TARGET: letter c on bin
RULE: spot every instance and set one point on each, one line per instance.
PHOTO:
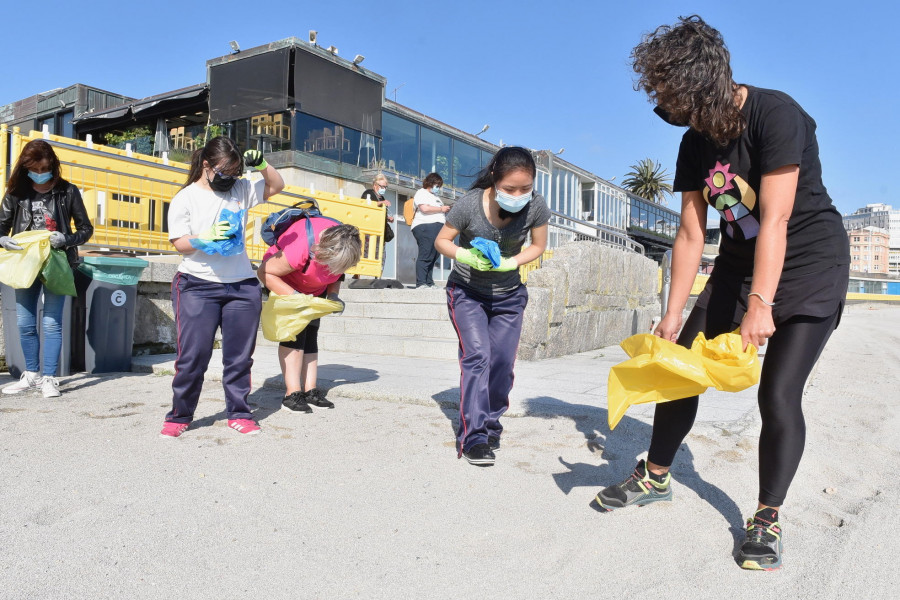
(118, 298)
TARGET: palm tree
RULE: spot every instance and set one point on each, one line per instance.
(649, 180)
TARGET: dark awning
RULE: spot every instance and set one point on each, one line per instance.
(172, 103)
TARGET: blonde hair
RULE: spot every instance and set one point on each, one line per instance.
(379, 177)
(339, 248)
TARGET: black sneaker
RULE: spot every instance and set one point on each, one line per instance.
(480, 454)
(761, 550)
(641, 488)
(296, 401)
(316, 397)
(493, 442)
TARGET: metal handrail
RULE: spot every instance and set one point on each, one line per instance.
(666, 268)
(602, 234)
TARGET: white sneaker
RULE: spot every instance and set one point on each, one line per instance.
(50, 387)
(30, 380)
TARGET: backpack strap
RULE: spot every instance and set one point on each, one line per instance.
(310, 242)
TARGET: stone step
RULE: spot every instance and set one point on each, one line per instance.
(391, 296)
(408, 328)
(422, 347)
(362, 309)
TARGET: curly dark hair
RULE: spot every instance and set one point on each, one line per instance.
(685, 69)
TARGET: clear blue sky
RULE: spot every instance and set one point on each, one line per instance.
(552, 76)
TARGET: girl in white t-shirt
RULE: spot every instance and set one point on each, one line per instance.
(215, 285)
(426, 224)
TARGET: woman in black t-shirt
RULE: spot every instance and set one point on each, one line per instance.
(783, 264)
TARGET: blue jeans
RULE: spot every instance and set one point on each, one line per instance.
(51, 327)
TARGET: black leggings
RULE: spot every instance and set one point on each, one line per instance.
(791, 354)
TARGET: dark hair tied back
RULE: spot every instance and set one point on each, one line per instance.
(218, 151)
(507, 160)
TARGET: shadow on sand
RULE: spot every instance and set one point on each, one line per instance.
(619, 452)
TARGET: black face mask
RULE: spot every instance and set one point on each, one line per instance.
(221, 184)
(667, 117)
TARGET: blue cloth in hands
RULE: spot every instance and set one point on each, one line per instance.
(489, 248)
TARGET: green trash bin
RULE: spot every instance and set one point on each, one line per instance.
(103, 315)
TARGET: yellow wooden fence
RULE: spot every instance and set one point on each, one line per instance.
(127, 196)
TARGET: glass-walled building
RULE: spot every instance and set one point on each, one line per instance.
(413, 148)
(325, 123)
(651, 224)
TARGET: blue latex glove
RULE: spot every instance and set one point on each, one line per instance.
(233, 241)
(489, 249)
(507, 264)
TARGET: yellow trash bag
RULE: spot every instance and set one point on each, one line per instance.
(284, 317)
(19, 268)
(660, 370)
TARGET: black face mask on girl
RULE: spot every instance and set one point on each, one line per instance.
(668, 118)
(221, 184)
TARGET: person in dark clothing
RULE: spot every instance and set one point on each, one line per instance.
(486, 303)
(376, 194)
(783, 264)
(39, 198)
(430, 216)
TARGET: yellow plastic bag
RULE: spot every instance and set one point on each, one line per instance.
(660, 370)
(19, 268)
(284, 317)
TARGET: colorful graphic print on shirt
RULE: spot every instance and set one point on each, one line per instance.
(735, 200)
(41, 217)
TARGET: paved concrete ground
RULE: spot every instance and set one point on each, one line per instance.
(369, 501)
(572, 385)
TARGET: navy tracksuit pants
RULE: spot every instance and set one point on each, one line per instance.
(488, 328)
(201, 307)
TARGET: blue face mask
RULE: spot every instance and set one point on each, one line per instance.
(435, 190)
(513, 203)
(40, 178)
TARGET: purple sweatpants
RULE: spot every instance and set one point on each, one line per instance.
(201, 307)
(488, 328)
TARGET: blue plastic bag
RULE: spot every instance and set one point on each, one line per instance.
(234, 244)
(489, 248)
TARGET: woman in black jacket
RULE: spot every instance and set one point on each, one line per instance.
(38, 198)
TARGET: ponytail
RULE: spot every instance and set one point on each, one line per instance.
(196, 167)
(216, 151)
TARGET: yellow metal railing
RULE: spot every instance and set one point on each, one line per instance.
(534, 265)
(699, 283)
(127, 197)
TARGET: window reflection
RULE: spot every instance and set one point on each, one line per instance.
(270, 132)
(400, 144)
(435, 154)
(466, 164)
(333, 141)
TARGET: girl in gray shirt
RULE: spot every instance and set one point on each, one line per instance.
(486, 303)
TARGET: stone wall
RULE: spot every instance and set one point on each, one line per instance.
(587, 296)
(154, 319)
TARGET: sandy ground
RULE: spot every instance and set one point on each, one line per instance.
(369, 501)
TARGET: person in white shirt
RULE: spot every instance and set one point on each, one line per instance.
(429, 220)
(215, 285)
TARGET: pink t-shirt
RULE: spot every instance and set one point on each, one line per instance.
(295, 245)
